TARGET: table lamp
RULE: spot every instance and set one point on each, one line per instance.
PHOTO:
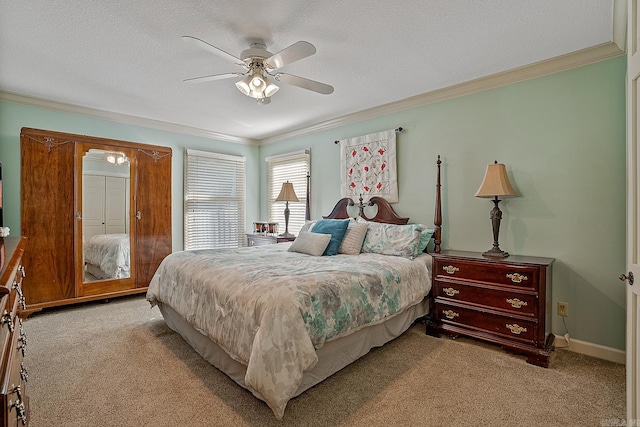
(496, 184)
(287, 194)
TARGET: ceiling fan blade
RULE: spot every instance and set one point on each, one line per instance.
(290, 54)
(219, 52)
(304, 83)
(212, 77)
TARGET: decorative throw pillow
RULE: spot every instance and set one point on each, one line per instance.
(310, 243)
(425, 237)
(307, 225)
(392, 239)
(353, 238)
(336, 227)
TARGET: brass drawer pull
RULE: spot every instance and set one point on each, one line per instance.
(450, 314)
(21, 299)
(22, 346)
(7, 320)
(516, 303)
(24, 375)
(517, 277)
(516, 329)
(451, 292)
(450, 269)
(19, 405)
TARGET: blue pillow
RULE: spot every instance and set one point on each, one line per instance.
(336, 227)
(425, 237)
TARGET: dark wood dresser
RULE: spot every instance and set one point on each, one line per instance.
(257, 239)
(505, 301)
(15, 401)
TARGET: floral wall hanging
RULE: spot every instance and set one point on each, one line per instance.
(368, 166)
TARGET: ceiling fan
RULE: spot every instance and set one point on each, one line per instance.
(259, 65)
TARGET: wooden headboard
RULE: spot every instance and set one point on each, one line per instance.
(386, 214)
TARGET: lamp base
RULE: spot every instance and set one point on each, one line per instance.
(286, 235)
(495, 253)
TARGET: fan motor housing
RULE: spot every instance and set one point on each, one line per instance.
(256, 51)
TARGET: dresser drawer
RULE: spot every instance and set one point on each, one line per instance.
(7, 320)
(519, 301)
(493, 323)
(14, 383)
(510, 275)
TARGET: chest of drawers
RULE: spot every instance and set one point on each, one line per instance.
(256, 239)
(505, 301)
(14, 400)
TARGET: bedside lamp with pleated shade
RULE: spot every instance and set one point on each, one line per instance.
(287, 194)
(496, 184)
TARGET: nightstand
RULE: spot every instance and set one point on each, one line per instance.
(255, 239)
(505, 301)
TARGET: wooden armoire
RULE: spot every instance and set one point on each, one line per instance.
(52, 216)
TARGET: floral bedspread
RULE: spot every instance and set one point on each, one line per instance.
(270, 309)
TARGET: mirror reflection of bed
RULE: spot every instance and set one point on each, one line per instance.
(105, 223)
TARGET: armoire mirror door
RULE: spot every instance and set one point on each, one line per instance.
(105, 234)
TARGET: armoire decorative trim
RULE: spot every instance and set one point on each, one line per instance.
(48, 141)
(154, 154)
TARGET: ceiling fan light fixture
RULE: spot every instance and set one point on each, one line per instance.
(244, 85)
(257, 83)
(270, 89)
(116, 158)
(259, 63)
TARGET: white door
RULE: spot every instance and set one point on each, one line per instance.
(115, 205)
(92, 206)
(633, 214)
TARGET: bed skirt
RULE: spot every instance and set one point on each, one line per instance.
(333, 356)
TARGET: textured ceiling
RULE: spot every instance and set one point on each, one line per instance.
(127, 56)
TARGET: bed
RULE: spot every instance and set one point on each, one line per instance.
(278, 321)
(106, 256)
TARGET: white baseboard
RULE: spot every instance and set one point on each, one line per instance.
(590, 349)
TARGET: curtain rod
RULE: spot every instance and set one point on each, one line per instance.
(397, 130)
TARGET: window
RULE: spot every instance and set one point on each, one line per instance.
(214, 200)
(292, 167)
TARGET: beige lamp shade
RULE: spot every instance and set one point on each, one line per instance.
(287, 193)
(496, 183)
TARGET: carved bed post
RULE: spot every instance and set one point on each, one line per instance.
(307, 214)
(437, 217)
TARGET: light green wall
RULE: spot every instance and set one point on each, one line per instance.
(13, 117)
(562, 138)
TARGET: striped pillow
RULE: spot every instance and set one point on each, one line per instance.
(353, 238)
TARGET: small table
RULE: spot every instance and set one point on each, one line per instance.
(258, 239)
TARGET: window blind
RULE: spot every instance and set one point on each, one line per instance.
(292, 167)
(214, 201)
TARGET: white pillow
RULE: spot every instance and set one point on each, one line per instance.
(353, 238)
(310, 243)
(308, 224)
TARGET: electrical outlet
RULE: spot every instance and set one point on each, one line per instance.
(563, 309)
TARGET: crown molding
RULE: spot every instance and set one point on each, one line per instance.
(554, 65)
(62, 107)
(620, 10)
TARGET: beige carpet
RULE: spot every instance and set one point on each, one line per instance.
(118, 364)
